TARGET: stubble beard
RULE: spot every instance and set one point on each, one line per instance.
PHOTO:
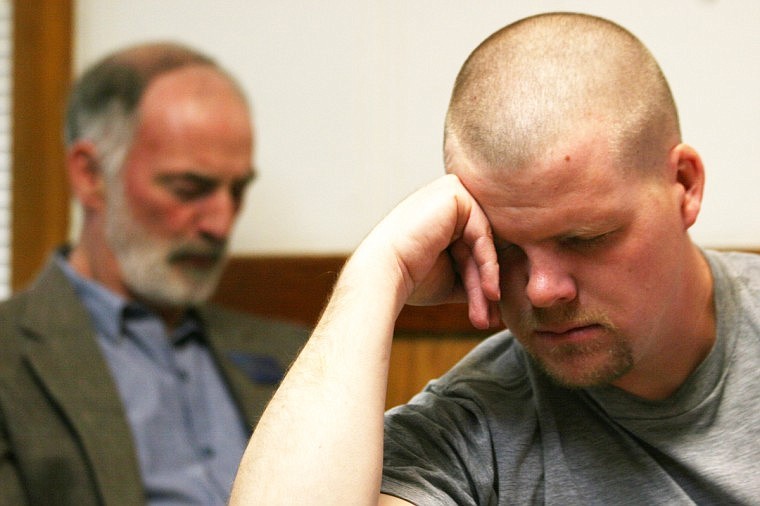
(576, 365)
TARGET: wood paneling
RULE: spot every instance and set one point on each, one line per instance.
(296, 288)
(41, 74)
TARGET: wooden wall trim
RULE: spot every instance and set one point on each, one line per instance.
(296, 288)
(41, 73)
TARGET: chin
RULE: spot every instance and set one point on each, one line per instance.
(178, 287)
(586, 371)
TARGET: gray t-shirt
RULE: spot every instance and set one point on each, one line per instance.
(494, 430)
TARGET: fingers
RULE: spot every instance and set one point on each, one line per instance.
(469, 273)
(441, 240)
(483, 253)
(476, 261)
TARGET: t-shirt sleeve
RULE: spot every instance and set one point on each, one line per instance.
(438, 451)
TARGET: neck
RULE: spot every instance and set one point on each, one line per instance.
(93, 259)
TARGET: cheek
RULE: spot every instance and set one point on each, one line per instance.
(160, 216)
(648, 258)
(628, 286)
(154, 209)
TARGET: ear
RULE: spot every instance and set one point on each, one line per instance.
(86, 175)
(690, 178)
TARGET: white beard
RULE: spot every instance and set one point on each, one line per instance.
(147, 261)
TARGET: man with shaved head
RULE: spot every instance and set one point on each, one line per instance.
(118, 383)
(628, 372)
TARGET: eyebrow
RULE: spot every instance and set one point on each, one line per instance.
(581, 231)
(202, 177)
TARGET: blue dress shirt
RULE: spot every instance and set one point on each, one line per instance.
(188, 432)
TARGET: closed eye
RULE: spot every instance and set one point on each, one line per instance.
(187, 187)
(586, 242)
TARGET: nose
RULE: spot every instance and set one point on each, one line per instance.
(549, 282)
(216, 216)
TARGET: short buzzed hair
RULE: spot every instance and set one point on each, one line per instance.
(536, 80)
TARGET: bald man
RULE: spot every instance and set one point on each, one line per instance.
(118, 383)
(629, 370)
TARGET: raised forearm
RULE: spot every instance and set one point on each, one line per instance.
(320, 439)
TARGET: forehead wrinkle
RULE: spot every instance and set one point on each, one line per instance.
(549, 215)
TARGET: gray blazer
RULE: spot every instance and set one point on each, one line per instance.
(64, 437)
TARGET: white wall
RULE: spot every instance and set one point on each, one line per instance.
(349, 97)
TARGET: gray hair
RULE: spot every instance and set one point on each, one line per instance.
(104, 102)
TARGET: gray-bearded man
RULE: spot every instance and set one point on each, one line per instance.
(118, 384)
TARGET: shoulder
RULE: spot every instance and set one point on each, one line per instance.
(736, 292)
(499, 362)
(494, 374)
(253, 332)
(49, 291)
(741, 271)
(444, 445)
(50, 285)
(743, 265)
(12, 307)
(10, 333)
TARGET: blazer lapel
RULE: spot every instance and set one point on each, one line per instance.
(227, 340)
(64, 354)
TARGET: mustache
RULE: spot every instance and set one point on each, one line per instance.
(571, 315)
(216, 250)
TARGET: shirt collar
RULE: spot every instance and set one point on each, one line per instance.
(104, 306)
(109, 310)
